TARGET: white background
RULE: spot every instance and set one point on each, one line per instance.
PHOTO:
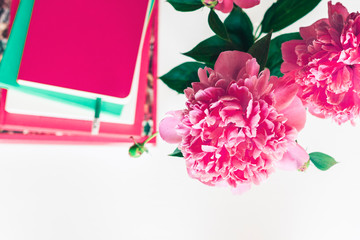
(98, 192)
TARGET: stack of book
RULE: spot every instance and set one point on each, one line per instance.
(79, 71)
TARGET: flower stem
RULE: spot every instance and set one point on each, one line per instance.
(151, 137)
(257, 32)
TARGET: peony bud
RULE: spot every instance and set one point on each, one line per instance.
(210, 3)
(138, 149)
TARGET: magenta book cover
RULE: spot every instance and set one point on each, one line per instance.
(84, 45)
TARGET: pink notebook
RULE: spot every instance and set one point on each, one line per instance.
(84, 45)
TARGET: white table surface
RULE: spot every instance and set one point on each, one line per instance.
(98, 192)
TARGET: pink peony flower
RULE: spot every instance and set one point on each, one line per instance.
(226, 6)
(326, 65)
(238, 124)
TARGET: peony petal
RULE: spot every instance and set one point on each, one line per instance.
(207, 148)
(356, 78)
(252, 67)
(241, 93)
(296, 114)
(342, 82)
(309, 33)
(286, 67)
(337, 15)
(189, 93)
(224, 6)
(261, 84)
(315, 111)
(203, 77)
(167, 127)
(209, 94)
(333, 98)
(247, 3)
(288, 50)
(284, 95)
(241, 188)
(294, 158)
(229, 63)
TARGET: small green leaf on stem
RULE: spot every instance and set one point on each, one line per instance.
(217, 25)
(322, 161)
(239, 28)
(176, 153)
(186, 5)
(285, 12)
(208, 50)
(260, 50)
(181, 77)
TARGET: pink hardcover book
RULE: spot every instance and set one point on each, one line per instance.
(91, 49)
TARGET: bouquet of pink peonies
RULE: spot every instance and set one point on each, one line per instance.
(247, 92)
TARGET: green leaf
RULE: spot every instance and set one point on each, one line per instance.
(208, 50)
(275, 56)
(217, 25)
(181, 77)
(322, 161)
(186, 5)
(285, 12)
(240, 29)
(260, 50)
(176, 153)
